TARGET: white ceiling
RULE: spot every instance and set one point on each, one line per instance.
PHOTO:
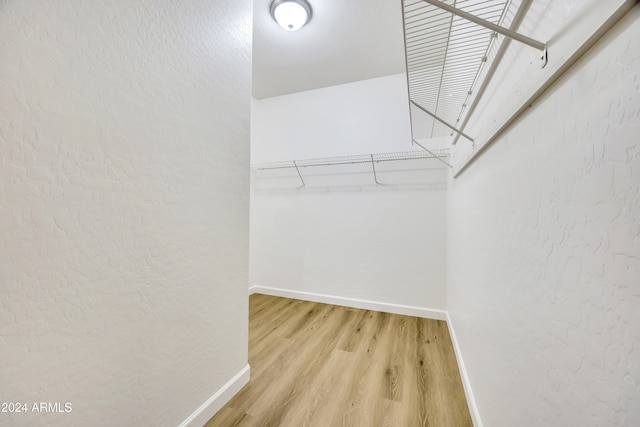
(345, 41)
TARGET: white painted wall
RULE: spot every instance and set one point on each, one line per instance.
(384, 245)
(124, 158)
(544, 252)
(368, 116)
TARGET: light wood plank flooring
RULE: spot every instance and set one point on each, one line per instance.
(324, 365)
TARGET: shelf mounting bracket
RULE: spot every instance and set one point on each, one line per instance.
(431, 152)
(490, 25)
(375, 176)
(298, 170)
(453, 128)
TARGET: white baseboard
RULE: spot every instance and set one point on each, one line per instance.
(408, 310)
(466, 383)
(209, 408)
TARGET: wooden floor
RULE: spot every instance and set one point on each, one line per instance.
(324, 365)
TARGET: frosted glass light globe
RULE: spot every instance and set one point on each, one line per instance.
(291, 15)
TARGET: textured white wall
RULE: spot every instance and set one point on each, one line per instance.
(385, 246)
(124, 159)
(544, 252)
(377, 244)
(368, 116)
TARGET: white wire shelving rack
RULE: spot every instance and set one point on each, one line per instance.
(374, 160)
(452, 49)
(456, 48)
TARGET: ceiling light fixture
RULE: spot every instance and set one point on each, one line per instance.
(291, 14)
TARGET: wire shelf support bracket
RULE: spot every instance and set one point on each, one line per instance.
(453, 128)
(494, 27)
(375, 175)
(432, 153)
(299, 174)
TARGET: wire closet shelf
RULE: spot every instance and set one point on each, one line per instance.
(356, 159)
(453, 48)
(362, 160)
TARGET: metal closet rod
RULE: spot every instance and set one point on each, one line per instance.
(490, 25)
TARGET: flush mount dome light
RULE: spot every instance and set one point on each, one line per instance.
(291, 14)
